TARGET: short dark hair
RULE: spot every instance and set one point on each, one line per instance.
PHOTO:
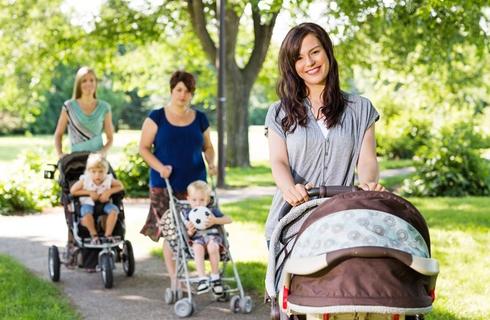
(186, 78)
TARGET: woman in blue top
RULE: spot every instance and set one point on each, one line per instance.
(85, 116)
(172, 142)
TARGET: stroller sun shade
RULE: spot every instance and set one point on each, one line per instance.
(359, 252)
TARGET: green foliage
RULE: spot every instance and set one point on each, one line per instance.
(25, 296)
(133, 171)
(26, 190)
(450, 164)
(257, 116)
(16, 198)
(402, 137)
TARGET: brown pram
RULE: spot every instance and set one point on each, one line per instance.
(356, 255)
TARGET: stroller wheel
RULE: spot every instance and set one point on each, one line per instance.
(183, 308)
(54, 263)
(128, 258)
(169, 296)
(235, 304)
(246, 304)
(105, 261)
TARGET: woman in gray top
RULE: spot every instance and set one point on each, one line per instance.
(317, 134)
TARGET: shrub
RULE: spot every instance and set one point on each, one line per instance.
(133, 171)
(15, 198)
(450, 165)
(403, 136)
(26, 190)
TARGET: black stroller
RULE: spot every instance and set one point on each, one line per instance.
(357, 255)
(172, 226)
(102, 256)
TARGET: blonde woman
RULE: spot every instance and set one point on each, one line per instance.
(85, 116)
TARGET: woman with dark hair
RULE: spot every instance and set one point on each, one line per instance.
(317, 133)
(173, 140)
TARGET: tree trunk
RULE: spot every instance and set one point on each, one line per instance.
(239, 81)
(237, 98)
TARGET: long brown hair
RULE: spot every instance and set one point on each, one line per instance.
(291, 88)
(77, 87)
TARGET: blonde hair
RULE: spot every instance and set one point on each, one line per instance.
(77, 86)
(96, 160)
(199, 185)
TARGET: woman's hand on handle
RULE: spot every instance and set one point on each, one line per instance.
(296, 194)
(165, 171)
(372, 186)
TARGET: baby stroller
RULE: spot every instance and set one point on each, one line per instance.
(101, 256)
(172, 226)
(357, 255)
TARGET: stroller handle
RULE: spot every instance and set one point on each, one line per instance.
(320, 192)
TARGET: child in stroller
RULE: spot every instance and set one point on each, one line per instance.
(88, 252)
(97, 184)
(206, 240)
(178, 230)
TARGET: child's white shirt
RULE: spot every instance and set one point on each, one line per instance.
(89, 185)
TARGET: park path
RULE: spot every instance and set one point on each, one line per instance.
(27, 239)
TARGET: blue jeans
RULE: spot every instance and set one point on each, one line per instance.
(89, 209)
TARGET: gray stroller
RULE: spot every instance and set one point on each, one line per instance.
(357, 255)
(172, 226)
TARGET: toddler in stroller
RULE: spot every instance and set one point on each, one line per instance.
(204, 233)
(97, 184)
(358, 255)
(93, 208)
(194, 228)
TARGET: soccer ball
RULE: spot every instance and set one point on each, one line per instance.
(199, 216)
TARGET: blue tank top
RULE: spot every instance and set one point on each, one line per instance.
(181, 147)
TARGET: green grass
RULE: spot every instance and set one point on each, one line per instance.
(460, 235)
(394, 183)
(385, 164)
(258, 175)
(24, 296)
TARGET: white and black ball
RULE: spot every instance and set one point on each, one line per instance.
(199, 216)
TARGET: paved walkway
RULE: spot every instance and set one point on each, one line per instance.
(27, 239)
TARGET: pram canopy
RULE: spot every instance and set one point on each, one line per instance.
(355, 252)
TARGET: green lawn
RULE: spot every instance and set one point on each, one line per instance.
(24, 296)
(385, 164)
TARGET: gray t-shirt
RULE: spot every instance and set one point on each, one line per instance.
(319, 160)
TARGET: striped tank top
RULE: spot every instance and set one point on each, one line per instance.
(85, 131)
